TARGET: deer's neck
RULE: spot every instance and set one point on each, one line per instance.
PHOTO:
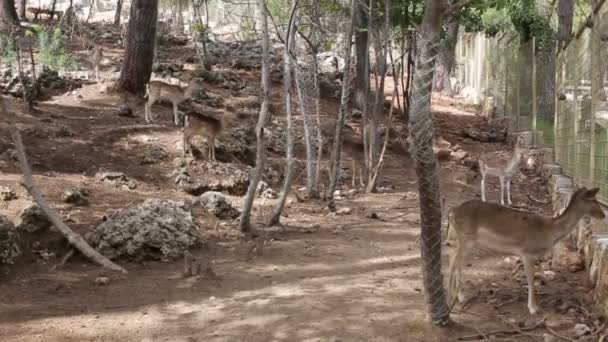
(514, 162)
(566, 222)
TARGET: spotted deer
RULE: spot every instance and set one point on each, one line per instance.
(201, 125)
(161, 91)
(504, 230)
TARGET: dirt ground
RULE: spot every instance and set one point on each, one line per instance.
(354, 277)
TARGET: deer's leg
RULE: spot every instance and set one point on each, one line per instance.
(509, 191)
(456, 264)
(483, 187)
(175, 118)
(354, 173)
(529, 269)
(186, 144)
(502, 189)
(148, 109)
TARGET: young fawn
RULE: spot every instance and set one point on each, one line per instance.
(203, 126)
(514, 232)
(95, 58)
(503, 171)
(161, 91)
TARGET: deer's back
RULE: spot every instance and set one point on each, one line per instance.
(165, 91)
(203, 125)
(501, 228)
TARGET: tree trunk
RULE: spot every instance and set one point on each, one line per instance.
(565, 18)
(53, 9)
(447, 59)
(179, 28)
(8, 15)
(302, 85)
(245, 219)
(278, 209)
(338, 137)
(139, 54)
(118, 13)
(22, 7)
(427, 168)
(362, 54)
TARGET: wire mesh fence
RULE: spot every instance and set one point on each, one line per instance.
(581, 115)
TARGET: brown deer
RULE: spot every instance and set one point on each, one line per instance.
(161, 91)
(201, 125)
(95, 58)
(477, 224)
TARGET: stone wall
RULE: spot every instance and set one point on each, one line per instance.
(587, 246)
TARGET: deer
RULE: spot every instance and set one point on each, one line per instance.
(95, 58)
(161, 91)
(514, 232)
(201, 125)
(504, 172)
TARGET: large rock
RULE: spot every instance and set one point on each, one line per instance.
(232, 179)
(33, 220)
(9, 241)
(156, 229)
(217, 205)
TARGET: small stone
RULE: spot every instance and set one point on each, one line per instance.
(102, 281)
(344, 211)
(458, 155)
(7, 194)
(581, 330)
(549, 275)
(74, 196)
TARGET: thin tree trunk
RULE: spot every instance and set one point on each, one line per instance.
(179, 28)
(310, 152)
(339, 133)
(74, 238)
(426, 165)
(382, 48)
(118, 13)
(314, 192)
(22, 7)
(565, 18)
(289, 36)
(139, 54)
(91, 10)
(447, 57)
(245, 219)
(8, 15)
(362, 54)
(53, 9)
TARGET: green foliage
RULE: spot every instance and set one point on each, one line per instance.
(52, 53)
(247, 29)
(529, 23)
(495, 21)
(8, 50)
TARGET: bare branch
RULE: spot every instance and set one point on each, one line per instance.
(74, 238)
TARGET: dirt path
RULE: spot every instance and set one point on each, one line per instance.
(354, 277)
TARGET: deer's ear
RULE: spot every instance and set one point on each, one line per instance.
(592, 193)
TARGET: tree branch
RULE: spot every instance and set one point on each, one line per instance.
(74, 238)
(456, 7)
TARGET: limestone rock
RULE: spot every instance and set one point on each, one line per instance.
(155, 229)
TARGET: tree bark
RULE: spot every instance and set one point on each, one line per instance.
(53, 9)
(289, 35)
(245, 219)
(74, 238)
(565, 18)
(8, 15)
(447, 59)
(339, 133)
(362, 54)
(118, 13)
(139, 54)
(426, 165)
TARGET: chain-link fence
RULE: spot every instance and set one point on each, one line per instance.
(581, 122)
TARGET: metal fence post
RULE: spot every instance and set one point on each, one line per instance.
(534, 100)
